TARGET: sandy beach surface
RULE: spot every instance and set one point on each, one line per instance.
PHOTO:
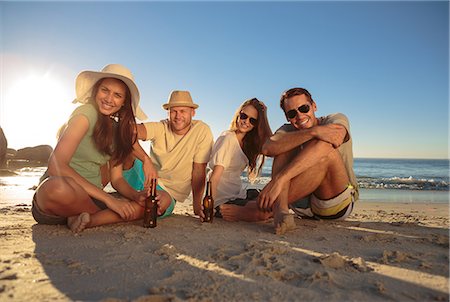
(383, 252)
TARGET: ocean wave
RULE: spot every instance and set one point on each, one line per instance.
(399, 183)
(403, 183)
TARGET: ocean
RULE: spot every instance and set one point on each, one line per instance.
(394, 180)
(379, 179)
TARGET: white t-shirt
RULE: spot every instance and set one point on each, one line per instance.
(228, 154)
(173, 156)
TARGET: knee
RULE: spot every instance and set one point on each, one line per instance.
(331, 157)
(56, 190)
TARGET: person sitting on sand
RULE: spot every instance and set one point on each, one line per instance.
(235, 150)
(312, 171)
(100, 132)
(180, 149)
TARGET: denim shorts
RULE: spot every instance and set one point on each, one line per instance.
(45, 218)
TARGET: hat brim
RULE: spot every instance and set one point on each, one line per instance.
(86, 80)
(167, 106)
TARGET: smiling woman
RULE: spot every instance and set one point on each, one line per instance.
(33, 109)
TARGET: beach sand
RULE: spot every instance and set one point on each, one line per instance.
(384, 251)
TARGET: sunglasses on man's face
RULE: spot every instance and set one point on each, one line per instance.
(302, 109)
(244, 116)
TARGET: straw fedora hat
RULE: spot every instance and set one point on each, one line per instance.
(86, 80)
(179, 98)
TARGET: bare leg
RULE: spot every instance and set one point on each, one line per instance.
(64, 197)
(249, 212)
(326, 179)
(283, 221)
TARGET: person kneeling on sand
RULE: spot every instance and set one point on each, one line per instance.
(312, 171)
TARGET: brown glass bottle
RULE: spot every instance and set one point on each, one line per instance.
(208, 204)
(151, 208)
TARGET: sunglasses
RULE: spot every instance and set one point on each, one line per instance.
(244, 116)
(302, 109)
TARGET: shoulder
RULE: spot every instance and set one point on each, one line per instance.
(202, 129)
(85, 109)
(200, 126)
(226, 137)
(157, 126)
(285, 128)
(334, 118)
(88, 110)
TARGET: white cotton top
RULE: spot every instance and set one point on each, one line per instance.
(227, 153)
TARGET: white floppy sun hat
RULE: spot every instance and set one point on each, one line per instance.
(86, 80)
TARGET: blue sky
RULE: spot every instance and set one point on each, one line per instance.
(383, 64)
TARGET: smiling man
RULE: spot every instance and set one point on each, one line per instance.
(312, 171)
(180, 149)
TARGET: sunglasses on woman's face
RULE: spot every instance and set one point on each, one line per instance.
(302, 109)
(244, 116)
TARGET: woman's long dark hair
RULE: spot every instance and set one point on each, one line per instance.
(111, 137)
(255, 139)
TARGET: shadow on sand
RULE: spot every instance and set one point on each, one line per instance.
(182, 259)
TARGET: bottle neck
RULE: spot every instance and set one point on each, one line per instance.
(208, 188)
(154, 184)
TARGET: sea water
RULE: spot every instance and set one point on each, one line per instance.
(393, 180)
(388, 180)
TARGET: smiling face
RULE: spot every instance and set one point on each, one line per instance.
(247, 119)
(111, 95)
(180, 119)
(301, 120)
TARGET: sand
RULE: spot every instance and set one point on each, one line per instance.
(383, 252)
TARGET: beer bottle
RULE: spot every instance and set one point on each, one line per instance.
(151, 208)
(208, 203)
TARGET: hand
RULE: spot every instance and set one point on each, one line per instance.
(333, 134)
(149, 172)
(198, 210)
(123, 207)
(269, 195)
(141, 196)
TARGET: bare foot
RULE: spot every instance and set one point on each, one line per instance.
(78, 223)
(164, 202)
(249, 212)
(284, 222)
(230, 212)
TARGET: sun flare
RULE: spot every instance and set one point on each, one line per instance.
(33, 109)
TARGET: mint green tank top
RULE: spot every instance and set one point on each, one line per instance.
(87, 160)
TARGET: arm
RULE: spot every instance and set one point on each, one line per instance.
(198, 186)
(141, 132)
(282, 142)
(312, 153)
(138, 152)
(123, 187)
(310, 156)
(335, 134)
(215, 178)
(62, 155)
